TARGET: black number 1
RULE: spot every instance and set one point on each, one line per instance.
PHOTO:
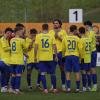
(76, 15)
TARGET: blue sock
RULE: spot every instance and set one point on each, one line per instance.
(0, 79)
(8, 78)
(39, 78)
(77, 84)
(43, 79)
(94, 78)
(17, 82)
(13, 82)
(3, 80)
(63, 77)
(68, 83)
(53, 81)
(84, 80)
(29, 79)
(89, 80)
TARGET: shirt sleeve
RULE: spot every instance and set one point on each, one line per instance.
(24, 44)
(37, 38)
(54, 41)
(63, 46)
(5, 45)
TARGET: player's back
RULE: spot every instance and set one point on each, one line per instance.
(71, 45)
(45, 46)
(5, 50)
(86, 49)
(17, 50)
(92, 35)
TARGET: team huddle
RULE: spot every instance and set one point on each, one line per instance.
(73, 50)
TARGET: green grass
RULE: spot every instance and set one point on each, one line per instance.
(37, 95)
(46, 10)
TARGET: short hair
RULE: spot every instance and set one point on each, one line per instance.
(20, 25)
(45, 26)
(73, 28)
(89, 23)
(8, 29)
(17, 29)
(58, 20)
(33, 31)
(82, 30)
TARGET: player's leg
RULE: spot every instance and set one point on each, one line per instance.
(84, 76)
(88, 73)
(89, 80)
(61, 65)
(76, 69)
(55, 64)
(3, 77)
(43, 69)
(38, 79)
(52, 70)
(8, 75)
(18, 70)
(93, 70)
(38, 76)
(84, 80)
(68, 69)
(13, 78)
(29, 72)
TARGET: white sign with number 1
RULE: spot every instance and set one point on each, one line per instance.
(75, 15)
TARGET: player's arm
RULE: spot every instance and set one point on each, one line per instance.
(30, 45)
(24, 46)
(55, 51)
(35, 52)
(5, 46)
(57, 36)
(55, 48)
(36, 49)
(63, 47)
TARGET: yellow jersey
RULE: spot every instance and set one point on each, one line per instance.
(45, 46)
(5, 50)
(71, 45)
(17, 51)
(0, 49)
(86, 49)
(30, 53)
(92, 35)
(61, 34)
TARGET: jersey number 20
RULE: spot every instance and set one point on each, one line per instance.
(71, 45)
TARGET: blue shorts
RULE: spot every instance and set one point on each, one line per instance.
(16, 69)
(47, 66)
(60, 63)
(30, 66)
(93, 59)
(4, 67)
(72, 64)
(85, 66)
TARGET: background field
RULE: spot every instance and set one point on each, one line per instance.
(46, 10)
